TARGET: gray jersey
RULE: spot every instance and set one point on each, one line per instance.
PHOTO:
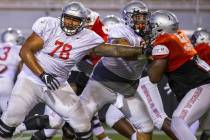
(60, 52)
(126, 69)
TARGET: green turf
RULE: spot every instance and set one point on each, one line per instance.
(118, 137)
(113, 136)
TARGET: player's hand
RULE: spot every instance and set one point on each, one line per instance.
(148, 50)
(50, 81)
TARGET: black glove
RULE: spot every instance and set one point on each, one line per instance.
(50, 81)
(148, 51)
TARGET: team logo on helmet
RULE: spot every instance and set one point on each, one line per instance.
(162, 22)
(200, 36)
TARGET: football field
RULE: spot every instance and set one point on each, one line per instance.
(157, 135)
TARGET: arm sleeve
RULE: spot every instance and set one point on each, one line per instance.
(160, 52)
(42, 27)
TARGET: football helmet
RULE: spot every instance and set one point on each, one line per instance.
(135, 15)
(200, 36)
(110, 20)
(91, 17)
(13, 36)
(75, 10)
(162, 22)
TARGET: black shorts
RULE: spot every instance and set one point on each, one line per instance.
(187, 77)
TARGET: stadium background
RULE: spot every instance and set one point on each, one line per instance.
(22, 13)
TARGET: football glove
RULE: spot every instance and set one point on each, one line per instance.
(50, 81)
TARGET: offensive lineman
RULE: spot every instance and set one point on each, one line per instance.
(49, 54)
(117, 77)
(78, 79)
(147, 91)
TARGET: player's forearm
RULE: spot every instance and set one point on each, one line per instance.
(112, 50)
(29, 59)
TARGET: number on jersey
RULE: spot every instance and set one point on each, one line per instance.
(4, 53)
(64, 50)
(184, 39)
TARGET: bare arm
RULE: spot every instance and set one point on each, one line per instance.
(33, 44)
(156, 70)
(117, 50)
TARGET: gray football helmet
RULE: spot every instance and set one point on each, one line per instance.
(131, 9)
(200, 36)
(13, 36)
(91, 17)
(73, 10)
(162, 22)
(110, 20)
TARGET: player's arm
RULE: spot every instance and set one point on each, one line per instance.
(159, 63)
(33, 44)
(117, 50)
(157, 69)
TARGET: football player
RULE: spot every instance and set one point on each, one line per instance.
(174, 56)
(78, 79)
(117, 78)
(201, 42)
(10, 63)
(147, 91)
(49, 53)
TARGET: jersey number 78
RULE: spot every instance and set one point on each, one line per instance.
(65, 50)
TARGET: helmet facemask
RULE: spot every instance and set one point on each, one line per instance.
(71, 29)
(139, 21)
(135, 15)
(73, 18)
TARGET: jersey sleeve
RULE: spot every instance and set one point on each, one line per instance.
(93, 40)
(115, 31)
(43, 26)
(160, 52)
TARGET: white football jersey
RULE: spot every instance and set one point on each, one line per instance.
(9, 60)
(60, 52)
(126, 69)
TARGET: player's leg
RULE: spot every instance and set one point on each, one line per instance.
(95, 96)
(149, 93)
(5, 92)
(205, 126)
(43, 134)
(36, 122)
(45, 123)
(68, 132)
(116, 120)
(135, 110)
(50, 120)
(65, 102)
(55, 122)
(23, 99)
(137, 113)
(98, 129)
(194, 127)
(195, 103)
